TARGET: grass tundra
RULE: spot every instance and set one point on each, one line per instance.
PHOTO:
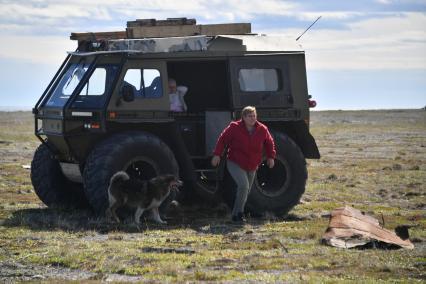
(372, 160)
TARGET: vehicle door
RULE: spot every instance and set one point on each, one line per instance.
(148, 81)
(260, 80)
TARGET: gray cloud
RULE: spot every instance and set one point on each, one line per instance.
(346, 37)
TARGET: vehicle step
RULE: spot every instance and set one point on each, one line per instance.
(206, 170)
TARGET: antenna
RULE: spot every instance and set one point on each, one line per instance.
(308, 28)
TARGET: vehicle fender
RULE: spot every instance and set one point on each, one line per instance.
(299, 132)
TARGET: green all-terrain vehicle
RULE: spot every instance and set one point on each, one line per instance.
(108, 109)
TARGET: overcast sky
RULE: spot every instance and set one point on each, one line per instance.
(365, 54)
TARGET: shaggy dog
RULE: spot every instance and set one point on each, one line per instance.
(142, 195)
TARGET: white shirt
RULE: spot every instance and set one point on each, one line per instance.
(177, 103)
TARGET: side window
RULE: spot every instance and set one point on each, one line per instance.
(133, 77)
(96, 84)
(258, 80)
(146, 83)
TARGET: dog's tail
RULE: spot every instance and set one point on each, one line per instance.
(115, 180)
(119, 176)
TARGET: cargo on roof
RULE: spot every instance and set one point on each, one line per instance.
(180, 34)
(172, 27)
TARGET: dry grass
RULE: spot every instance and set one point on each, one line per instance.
(372, 160)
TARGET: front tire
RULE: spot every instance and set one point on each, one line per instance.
(140, 154)
(279, 189)
(50, 184)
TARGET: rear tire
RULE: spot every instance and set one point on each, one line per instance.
(140, 154)
(50, 184)
(275, 190)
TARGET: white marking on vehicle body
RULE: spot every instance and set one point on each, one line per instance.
(81, 113)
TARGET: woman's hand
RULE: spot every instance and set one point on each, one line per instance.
(270, 162)
(215, 161)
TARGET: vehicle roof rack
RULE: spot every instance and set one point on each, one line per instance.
(177, 35)
(171, 27)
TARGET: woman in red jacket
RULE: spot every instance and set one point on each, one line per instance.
(245, 140)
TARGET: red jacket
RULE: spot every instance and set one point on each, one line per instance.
(244, 149)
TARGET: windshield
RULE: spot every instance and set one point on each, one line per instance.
(68, 83)
(94, 90)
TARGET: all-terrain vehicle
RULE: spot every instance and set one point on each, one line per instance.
(108, 109)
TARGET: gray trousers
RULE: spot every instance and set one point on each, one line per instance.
(244, 180)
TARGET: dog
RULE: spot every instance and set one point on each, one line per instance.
(142, 195)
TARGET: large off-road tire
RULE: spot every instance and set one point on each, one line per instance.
(275, 190)
(50, 184)
(140, 154)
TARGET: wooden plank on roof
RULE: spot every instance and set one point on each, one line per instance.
(162, 31)
(147, 28)
(99, 35)
(225, 29)
(188, 30)
(154, 22)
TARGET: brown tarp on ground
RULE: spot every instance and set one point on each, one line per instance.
(350, 228)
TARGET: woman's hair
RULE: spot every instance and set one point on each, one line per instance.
(247, 110)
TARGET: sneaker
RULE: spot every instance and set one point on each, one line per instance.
(238, 218)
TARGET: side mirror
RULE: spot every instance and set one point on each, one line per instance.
(127, 93)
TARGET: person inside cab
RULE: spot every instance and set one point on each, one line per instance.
(176, 96)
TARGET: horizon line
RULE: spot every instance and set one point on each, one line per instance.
(29, 108)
